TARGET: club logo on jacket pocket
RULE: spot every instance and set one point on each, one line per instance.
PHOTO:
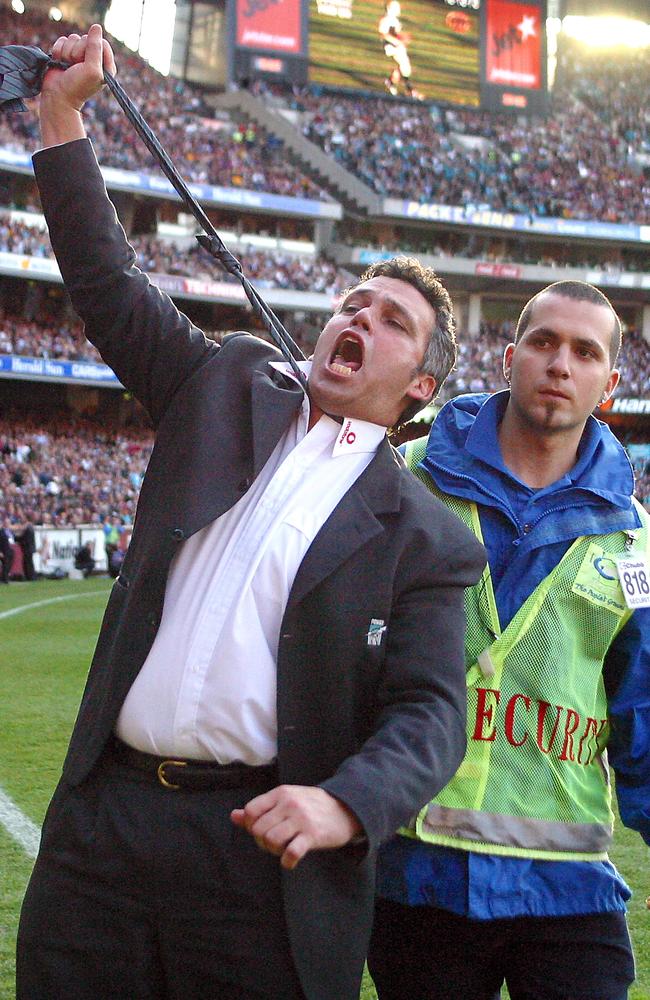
(376, 631)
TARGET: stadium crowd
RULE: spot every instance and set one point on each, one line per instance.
(304, 272)
(580, 162)
(46, 336)
(499, 249)
(52, 334)
(268, 270)
(70, 470)
(163, 256)
(23, 238)
(480, 361)
(205, 149)
(634, 365)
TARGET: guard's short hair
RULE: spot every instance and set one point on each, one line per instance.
(580, 291)
(441, 352)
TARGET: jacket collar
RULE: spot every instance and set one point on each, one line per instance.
(464, 458)
(275, 400)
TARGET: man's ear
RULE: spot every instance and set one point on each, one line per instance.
(423, 386)
(507, 362)
(610, 385)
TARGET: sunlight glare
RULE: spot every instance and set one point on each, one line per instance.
(607, 32)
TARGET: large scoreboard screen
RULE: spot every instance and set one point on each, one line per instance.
(422, 48)
(474, 53)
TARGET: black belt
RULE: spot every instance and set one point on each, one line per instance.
(182, 773)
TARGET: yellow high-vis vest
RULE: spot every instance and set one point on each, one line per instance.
(534, 782)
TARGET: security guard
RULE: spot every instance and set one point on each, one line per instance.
(504, 876)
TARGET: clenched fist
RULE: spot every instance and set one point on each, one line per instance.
(291, 820)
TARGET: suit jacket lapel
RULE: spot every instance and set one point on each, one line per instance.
(352, 523)
(275, 400)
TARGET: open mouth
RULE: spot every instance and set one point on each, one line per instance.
(347, 356)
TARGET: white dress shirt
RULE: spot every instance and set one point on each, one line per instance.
(207, 689)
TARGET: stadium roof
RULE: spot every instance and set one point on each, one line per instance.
(638, 9)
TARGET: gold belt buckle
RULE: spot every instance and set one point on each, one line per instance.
(161, 776)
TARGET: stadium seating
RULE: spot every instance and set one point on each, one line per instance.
(70, 470)
(583, 162)
(579, 163)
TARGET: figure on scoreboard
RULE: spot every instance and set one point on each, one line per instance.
(396, 42)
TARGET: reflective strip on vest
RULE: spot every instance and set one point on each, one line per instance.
(523, 833)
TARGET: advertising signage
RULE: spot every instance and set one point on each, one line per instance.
(513, 56)
(275, 27)
(269, 39)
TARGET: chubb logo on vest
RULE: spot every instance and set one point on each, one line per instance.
(556, 730)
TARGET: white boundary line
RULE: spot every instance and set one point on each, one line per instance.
(48, 600)
(19, 827)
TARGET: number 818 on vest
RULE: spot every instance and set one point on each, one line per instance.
(634, 577)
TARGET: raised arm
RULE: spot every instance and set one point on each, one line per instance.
(149, 344)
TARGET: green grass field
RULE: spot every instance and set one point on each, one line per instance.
(46, 643)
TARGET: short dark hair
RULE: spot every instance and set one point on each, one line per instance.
(440, 355)
(580, 291)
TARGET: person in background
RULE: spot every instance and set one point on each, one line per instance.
(27, 542)
(395, 42)
(84, 560)
(112, 532)
(6, 549)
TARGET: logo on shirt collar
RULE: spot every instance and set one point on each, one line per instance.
(347, 436)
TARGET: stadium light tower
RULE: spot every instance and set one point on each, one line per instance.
(607, 32)
(146, 27)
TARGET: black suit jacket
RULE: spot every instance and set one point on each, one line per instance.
(380, 727)
(5, 545)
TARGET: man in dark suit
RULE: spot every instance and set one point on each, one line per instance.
(27, 542)
(6, 549)
(279, 673)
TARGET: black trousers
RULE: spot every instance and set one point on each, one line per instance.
(144, 893)
(424, 953)
(28, 565)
